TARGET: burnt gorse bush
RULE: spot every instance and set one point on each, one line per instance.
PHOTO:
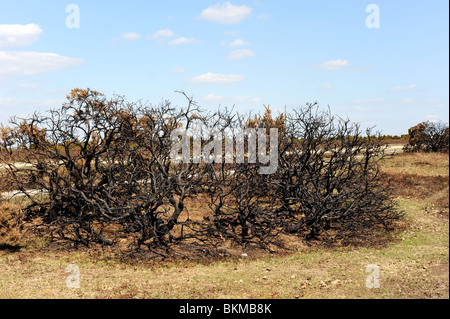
(116, 173)
(104, 169)
(329, 182)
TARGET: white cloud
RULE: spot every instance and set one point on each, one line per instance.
(240, 54)
(127, 36)
(164, 33)
(238, 43)
(28, 63)
(326, 86)
(182, 40)
(217, 78)
(178, 70)
(403, 88)
(226, 13)
(131, 36)
(334, 65)
(18, 35)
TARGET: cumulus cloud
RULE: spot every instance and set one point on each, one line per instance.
(226, 13)
(28, 63)
(240, 54)
(217, 78)
(16, 63)
(164, 33)
(334, 65)
(131, 36)
(18, 35)
(403, 88)
(211, 98)
(183, 40)
(238, 43)
(128, 37)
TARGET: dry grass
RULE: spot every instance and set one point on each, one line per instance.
(421, 176)
(414, 264)
(422, 164)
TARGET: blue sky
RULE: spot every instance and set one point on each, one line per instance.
(241, 53)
